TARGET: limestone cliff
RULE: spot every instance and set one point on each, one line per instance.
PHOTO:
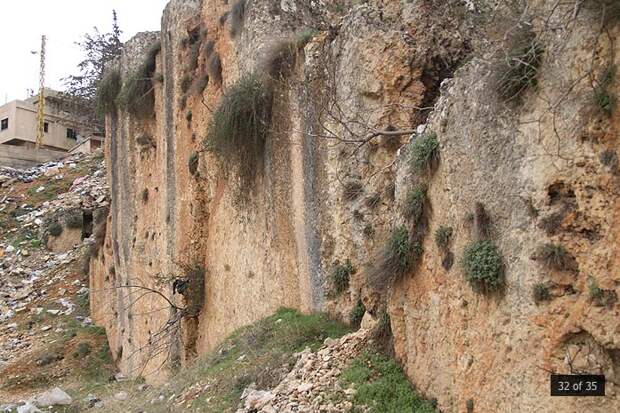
(534, 170)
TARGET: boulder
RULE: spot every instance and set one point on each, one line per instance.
(54, 397)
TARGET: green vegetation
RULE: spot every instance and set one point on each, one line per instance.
(519, 69)
(602, 96)
(340, 276)
(357, 313)
(107, 91)
(482, 264)
(443, 235)
(556, 257)
(253, 354)
(415, 203)
(239, 127)
(424, 153)
(541, 293)
(397, 258)
(382, 386)
(600, 297)
(54, 228)
(136, 95)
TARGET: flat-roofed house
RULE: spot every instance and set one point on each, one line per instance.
(62, 130)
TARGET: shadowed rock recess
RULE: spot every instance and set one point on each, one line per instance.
(446, 169)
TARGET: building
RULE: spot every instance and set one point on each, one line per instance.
(62, 130)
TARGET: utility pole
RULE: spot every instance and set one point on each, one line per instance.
(41, 119)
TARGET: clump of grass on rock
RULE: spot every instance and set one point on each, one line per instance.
(415, 203)
(424, 153)
(239, 127)
(541, 293)
(237, 13)
(556, 257)
(107, 91)
(482, 264)
(397, 258)
(136, 95)
(340, 276)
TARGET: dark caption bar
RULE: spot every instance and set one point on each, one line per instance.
(577, 385)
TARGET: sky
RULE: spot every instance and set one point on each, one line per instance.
(64, 22)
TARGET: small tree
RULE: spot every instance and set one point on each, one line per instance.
(99, 49)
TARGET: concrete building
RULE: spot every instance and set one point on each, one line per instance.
(19, 122)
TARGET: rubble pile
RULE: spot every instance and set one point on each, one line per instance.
(27, 270)
(313, 385)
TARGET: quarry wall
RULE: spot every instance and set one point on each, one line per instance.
(536, 176)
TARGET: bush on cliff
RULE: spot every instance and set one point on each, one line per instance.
(398, 257)
(136, 96)
(482, 264)
(424, 153)
(238, 129)
(107, 92)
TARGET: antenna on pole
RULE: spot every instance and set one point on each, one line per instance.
(41, 119)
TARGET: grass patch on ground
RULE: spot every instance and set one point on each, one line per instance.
(382, 386)
(253, 354)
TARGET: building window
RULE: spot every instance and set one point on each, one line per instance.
(4, 124)
(71, 134)
(46, 127)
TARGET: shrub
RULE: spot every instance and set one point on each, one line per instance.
(357, 313)
(482, 264)
(193, 163)
(352, 190)
(443, 235)
(397, 258)
(136, 95)
(340, 276)
(237, 13)
(541, 293)
(424, 153)
(214, 69)
(602, 96)
(281, 57)
(145, 195)
(556, 257)
(519, 69)
(54, 228)
(414, 204)
(107, 91)
(600, 297)
(240, 125)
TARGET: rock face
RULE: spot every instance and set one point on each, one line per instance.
(189, 253)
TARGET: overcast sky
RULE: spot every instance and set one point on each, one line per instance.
(22, 22)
